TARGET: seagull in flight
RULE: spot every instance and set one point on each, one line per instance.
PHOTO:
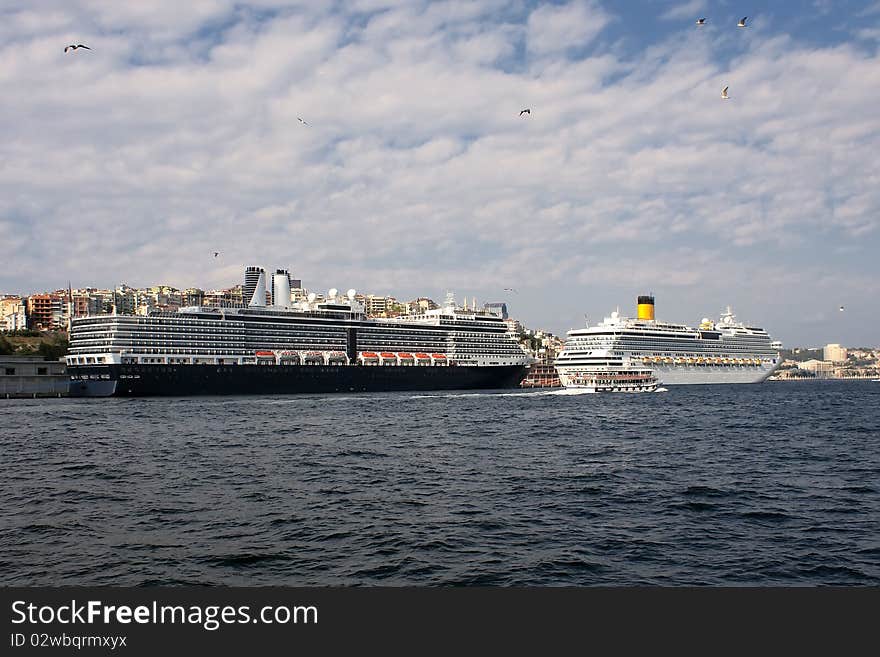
(701, 21)
(841, 309)
(724, 95)
(509, 289)
(525, 111)
(742, 22)
(74, 47)
(216, 253)
(301, 120)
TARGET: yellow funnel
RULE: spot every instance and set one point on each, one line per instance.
(646, 308)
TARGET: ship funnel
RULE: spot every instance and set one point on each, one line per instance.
(281, 288)
(646, 307)
(259, 298)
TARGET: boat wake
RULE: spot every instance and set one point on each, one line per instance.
(662, 390)
(523, 393)
(573, 391)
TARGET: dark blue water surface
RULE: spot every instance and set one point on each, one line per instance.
(771, 484)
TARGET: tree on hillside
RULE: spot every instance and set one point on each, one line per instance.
(53, 350)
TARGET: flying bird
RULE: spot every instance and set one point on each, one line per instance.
(742, 22)
(724, 95)
(301, 120)
(509, 289)
(841, 309)
(525, 111)
(216, 253)
(701, 21)
(74, 47)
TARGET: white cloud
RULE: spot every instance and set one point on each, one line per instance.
(870, 10)
(690, 9)
(553, 29)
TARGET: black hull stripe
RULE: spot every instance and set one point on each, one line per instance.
(190, 380)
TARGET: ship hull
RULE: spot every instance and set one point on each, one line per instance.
(191, 380)
(677, 375)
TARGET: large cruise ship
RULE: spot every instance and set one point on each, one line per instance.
(725, 351)
(328, 346)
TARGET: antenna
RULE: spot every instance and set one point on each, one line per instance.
(69, 305)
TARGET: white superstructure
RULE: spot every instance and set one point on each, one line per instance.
(725, 351)
(332, 332)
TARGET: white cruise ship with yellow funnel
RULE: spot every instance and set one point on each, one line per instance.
(725, 351)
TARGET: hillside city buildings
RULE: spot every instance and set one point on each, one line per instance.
(51, 311)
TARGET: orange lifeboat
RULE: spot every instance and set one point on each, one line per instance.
(405, 356)
(369, 354)
(438, 356)
(264, 354)
(387, 354)
(423, 357)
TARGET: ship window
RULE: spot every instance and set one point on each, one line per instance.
(42, 370)
(10, 371)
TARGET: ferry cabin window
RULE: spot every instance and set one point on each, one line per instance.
(10, 371)
(42, 371)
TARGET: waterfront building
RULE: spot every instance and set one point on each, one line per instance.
(375, 305)
(382, 306)
(31, 376)
(193, 296)
(498, 309)
(420, 305)
(835, 353)
(46, 312)
(229, 297)
(125, 298)
(12, 314)
(821, 368)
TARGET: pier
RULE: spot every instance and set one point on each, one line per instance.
(31, 377)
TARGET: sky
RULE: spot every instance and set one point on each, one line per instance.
(176, 135)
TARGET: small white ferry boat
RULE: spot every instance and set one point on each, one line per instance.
(613, 380)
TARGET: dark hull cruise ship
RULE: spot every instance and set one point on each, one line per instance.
(330, 346)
